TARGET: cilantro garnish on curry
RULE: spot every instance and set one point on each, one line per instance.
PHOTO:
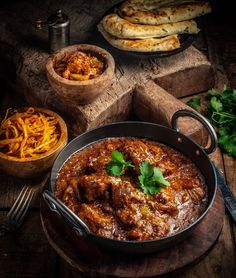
(118, 164)
(150, 177)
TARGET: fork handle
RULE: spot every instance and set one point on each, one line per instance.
(69, 216)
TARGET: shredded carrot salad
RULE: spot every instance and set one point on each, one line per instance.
(28, 134)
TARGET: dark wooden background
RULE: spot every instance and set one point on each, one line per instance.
(27, 252)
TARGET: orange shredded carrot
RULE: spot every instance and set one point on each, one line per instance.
(28, 134)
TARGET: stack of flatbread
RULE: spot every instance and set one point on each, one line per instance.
(151, 25)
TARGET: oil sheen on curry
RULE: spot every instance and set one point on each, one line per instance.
(118, 204)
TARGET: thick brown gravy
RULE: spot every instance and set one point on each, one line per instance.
(116, 207)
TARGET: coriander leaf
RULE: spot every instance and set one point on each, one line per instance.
(117, 156)
(228, 99)
(117, 165)
(146, 169)
(148, 187)
(152, 188)
(114, 168)
(158, 177)
(227, 140)
(223, 116)
(234, 93)
(144, 188)
(216, 104)
(223, 131)
(141, 179)
(194, 103)
(129, 164)
(213, 92)
(151, 178)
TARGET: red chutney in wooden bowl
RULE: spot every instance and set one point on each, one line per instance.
(117, 207)
(79, 66)
(80, 73)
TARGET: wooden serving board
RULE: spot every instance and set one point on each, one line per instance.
(95, 261)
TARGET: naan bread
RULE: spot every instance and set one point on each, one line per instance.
(141, 45)
(122, 28)
(155, 4)
(173, 13)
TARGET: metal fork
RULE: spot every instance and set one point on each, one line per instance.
(18, 211)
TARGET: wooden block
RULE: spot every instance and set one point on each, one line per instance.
(192, 73)
(188, 81)
(152, 103)
(114, 105)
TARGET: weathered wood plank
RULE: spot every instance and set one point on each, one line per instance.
(27, 253)
(10, 188)
(219, 262)
(66, 271)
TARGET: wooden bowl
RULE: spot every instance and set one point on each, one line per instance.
(31, 167)
(81, 92)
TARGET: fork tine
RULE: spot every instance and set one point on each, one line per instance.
(20, 215)
(26, 208)
(4, 226)
(19, 199)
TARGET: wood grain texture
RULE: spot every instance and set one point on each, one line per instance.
(11, 186)
(20, 37)
(152, 103)
(182, 84)
(89, 258)
(27, 253)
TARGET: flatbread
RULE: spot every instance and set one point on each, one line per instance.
(141, 45)
(155, 4)
(174, 13)
(122, 28)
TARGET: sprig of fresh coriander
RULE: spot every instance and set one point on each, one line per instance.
(222, 112)
(151, 178)
(117, 165)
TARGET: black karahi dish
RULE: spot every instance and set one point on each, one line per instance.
(170, 137)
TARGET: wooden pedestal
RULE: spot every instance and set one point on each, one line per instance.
(92, 260)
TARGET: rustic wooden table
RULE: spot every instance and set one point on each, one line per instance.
(27, 253)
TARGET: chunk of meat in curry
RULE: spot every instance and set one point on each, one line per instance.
(116, 207)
